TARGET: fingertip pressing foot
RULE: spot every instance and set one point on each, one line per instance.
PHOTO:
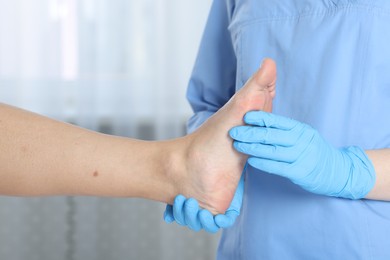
(168, 214)
(178, 208)
(191, 209)
(226, 220)
(207, 221)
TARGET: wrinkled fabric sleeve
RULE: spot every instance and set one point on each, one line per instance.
(213, 78)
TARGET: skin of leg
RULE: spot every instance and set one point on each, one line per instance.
(213, 168)
(41, 157)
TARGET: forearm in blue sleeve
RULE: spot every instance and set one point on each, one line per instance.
(212, 82)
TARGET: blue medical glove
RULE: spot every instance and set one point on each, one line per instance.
(186, 212)
(294, 150)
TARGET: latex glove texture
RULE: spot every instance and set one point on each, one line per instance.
(294, 150)
(186, 212)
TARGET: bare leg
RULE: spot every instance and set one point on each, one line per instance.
(41, 157)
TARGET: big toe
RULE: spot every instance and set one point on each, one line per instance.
(265, 77)
(259, 91)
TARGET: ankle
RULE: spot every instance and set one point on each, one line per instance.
(175, 172)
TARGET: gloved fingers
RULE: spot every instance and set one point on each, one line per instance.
(168, 214)
(207, 221)
(178, 212)
(264, 135)
(226, 220)
(191, 209)
(187, 212)
(264, 119)
(271, 166)
(270, 152)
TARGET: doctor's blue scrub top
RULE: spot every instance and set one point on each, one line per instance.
(333, 61)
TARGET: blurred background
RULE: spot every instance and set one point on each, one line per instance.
(116, 66)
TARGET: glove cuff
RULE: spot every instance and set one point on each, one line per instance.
(362, 174)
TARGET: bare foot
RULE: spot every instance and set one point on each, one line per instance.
(213, 167)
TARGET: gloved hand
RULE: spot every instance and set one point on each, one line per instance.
(186, 212)
(294, 150)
